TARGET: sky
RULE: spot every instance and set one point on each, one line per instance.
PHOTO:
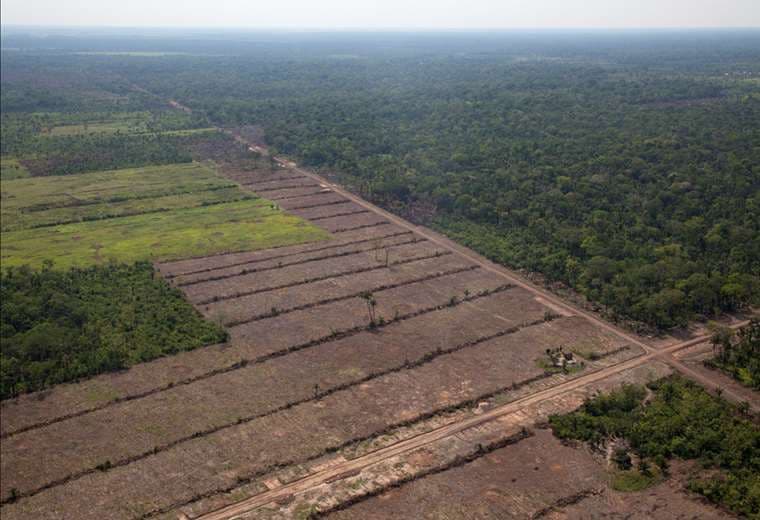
(384, 14)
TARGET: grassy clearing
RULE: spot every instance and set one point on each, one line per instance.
(160, 212)
(56, 124)
(11, 169)
(39, 201)
(635, 480)
(126, 208)
(108, 185)
(189, 131)
(112, 127)
(170, 235)
(95, 128)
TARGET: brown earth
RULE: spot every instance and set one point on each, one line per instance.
(538, 477)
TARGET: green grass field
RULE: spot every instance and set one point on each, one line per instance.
(55, 124)
(10, 169)
(111, 127)
(160, 212)
(123, 208)
(100, 127)
(33, 202)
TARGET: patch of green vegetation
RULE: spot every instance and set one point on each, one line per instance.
(189, 131)
(559, 361)
(101, 211)
(738, 353)
(305, 511)
(634, 480)
(61, 326)
(358, 483)
(125, 126)
(11, 169)
(40, 201)
(586, 351)
(680, 420)
(119, 126)
(164, 212)
(168, 235)
(64, 143)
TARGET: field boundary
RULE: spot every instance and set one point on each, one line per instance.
(342, 254)
(358, 270)
(169, 276)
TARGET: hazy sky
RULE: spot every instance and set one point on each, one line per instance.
(385, 13)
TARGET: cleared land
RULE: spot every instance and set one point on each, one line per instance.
(311, 367)
(39, 202)
(536, 477)
(161, 212)
(73, 124)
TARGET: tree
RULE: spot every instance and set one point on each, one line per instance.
(369, 299)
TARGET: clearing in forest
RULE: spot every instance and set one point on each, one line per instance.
(161, 212)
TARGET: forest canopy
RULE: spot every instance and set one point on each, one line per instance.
(61, 326)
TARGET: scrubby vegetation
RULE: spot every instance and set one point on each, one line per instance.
(60, 326)
(680, 420)
(738, 354)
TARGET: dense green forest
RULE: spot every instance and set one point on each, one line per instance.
(59, 326)
(738, 353)
(682, 421)
(625, 166)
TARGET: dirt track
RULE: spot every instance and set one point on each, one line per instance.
(424, 439)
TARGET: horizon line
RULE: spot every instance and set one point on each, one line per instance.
(386, 28)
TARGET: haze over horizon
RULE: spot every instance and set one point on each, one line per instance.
(387, 14)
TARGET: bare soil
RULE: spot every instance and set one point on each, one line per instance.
(310, 368)
(538, 477)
